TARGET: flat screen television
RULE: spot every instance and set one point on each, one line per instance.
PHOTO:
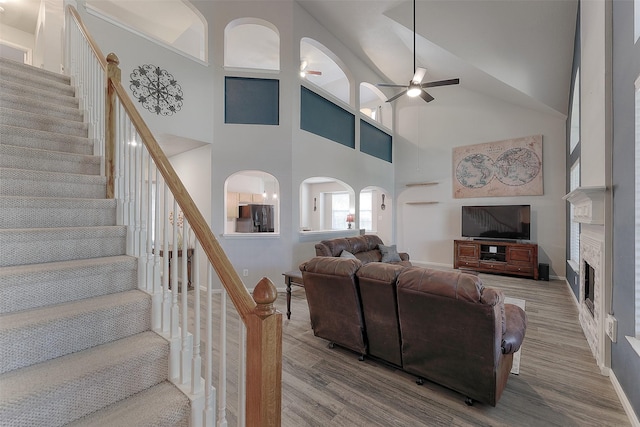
(512, 222)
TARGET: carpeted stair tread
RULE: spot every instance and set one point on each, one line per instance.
(51, 212)
(17, 89)
(6, 64)
(32, 138)
(40, 245)
(25, 287)
(34, 336)
(37, 80)
(161, 405)
(40, 106)
(12, 156)
(65, 389)
(24, 182)
(41, 122)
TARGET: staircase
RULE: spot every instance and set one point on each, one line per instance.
(76, 345)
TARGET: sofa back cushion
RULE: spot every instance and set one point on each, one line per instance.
(355, 245)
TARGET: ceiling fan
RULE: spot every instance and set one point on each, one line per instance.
(415, 86)
(304, 71)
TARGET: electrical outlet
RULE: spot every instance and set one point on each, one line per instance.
(611, 327)
(245, 272)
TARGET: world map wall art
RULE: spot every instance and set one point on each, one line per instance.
(512, 167)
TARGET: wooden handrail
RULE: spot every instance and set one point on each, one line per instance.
(85, 32)
(229, 277)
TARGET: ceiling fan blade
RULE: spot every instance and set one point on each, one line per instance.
(315, 73)
(419, 75)
(427, 98)
(441, 83)
(390, 85)
(393, 98)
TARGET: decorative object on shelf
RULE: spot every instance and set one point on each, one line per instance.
(180, 220)
(350, 219)
(512, 167)
(156, 90)
(383, 206)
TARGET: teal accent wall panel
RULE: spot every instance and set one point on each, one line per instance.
(375, 142)
(322, 117)
(251, 101)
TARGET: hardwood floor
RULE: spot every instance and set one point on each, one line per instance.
(559, 383)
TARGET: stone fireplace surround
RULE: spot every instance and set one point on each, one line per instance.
(588, 204)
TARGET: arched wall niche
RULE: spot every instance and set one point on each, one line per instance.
(252, 43)
(252, 203)
(335, 78)
(373, 105)
(325, 203)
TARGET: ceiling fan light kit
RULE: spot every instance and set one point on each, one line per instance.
(415, 87)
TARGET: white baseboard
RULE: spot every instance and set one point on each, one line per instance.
(633, 418)
(573, 296)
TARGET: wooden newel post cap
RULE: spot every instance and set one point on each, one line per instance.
(265, 294)
(112, 58)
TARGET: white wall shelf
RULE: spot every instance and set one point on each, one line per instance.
(422, 184)
(422, 203)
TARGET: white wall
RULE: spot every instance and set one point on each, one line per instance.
(594, 108)
(427, 135)
(194, 169)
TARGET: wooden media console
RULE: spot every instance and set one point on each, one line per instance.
(520, 259)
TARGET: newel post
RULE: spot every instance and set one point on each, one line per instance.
(264, 358)
(113, 74)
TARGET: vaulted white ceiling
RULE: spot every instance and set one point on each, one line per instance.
(520, 51)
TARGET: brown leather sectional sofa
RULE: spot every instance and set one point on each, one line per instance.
(442, 326)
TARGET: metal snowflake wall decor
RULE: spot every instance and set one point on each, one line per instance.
(156, 90)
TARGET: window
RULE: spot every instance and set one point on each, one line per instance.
(575, 114)
(574, 174)
(637, 203)
(339, 210)
(636, 20)
(366, 210)
(574, 231)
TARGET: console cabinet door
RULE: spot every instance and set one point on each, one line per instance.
(520, 255)
(467, 254)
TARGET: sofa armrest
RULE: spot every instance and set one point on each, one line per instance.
(516, 326)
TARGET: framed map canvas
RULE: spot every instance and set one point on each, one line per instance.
(499, 169)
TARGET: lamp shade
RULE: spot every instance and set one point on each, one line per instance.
(350, 217)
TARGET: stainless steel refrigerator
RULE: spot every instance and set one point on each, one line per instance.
(255, 219)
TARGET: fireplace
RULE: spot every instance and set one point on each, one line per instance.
(595, 293)
(589, 286)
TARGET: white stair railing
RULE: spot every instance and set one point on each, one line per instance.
(167, 234)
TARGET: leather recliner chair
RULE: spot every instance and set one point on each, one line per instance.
(457, 333)
(334, 301)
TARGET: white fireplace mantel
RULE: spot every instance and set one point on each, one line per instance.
(588, 204)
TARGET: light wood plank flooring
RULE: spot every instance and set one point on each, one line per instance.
(559, 383)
